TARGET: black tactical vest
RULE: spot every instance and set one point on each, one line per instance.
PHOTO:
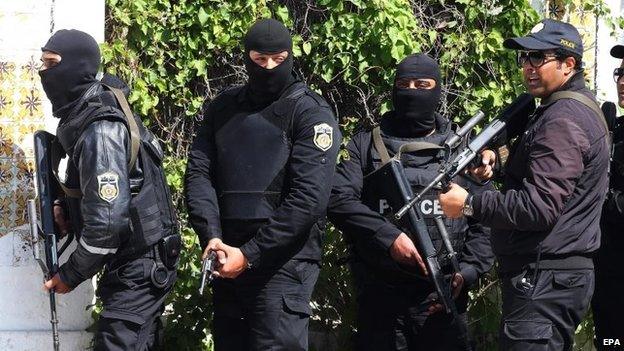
(420, 168)
(252, 153)
(152, 214)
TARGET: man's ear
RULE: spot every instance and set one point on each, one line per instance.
(568, 65)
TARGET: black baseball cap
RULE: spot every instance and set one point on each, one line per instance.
(549, 34)
(617, 51)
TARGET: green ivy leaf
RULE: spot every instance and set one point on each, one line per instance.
(307, 48)
(202, 15)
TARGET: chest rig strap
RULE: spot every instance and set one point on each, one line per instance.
(407, 147)
(135, 141)
(593, 105)
(134, 128)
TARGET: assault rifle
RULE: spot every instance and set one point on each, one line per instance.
(46, 193)
(397, 190)
(515, 114)
(395, 187)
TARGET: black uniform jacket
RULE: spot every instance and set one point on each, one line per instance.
(270, 232)
(555, 184)
(347, 211)
(609, 257)
(99, 167)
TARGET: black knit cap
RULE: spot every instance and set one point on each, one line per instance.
(75, 73)
(418, 66)
(617, 51)
(268, 36)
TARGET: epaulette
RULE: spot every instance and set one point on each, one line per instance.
(224, 97)
(316, 97)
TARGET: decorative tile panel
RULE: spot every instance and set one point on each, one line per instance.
(21, 113)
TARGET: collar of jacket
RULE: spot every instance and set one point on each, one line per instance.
(242, 95)
(418, 159)
(70, 128)
(442, 127)
(575, 83)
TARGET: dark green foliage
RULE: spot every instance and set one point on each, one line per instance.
(176, 54)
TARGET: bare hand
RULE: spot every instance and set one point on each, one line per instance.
(403, 251)
(486, 170)
(235, 262)
(457, 284)
(57, 284)
(60, 220)
(212, 246)
(452, 201)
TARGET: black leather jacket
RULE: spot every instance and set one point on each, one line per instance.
(99, 153)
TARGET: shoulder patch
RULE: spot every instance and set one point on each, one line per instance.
(108, 186)
(323, 136)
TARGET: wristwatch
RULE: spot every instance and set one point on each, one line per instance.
(467, 210)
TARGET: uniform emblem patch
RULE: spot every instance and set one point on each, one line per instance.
(323, 136)
(537, 28)
(108, 186)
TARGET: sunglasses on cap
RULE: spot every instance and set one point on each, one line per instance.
(535, 58)
(618, 73)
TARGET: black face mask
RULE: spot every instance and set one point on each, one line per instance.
(268, 36)
(415, 108)
(67, 81)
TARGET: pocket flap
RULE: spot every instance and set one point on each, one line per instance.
(297, 305)
(528, 330)
(569, 279)
(123, 315)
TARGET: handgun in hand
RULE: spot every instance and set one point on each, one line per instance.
(209, 264)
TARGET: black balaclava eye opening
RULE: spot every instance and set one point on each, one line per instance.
(415, 108)
(67, 81)
(268, 36)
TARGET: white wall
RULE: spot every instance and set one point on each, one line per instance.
(606, 63)
(24, 306)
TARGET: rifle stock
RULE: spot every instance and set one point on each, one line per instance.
(46, 193)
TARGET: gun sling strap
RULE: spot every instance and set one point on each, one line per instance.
(134, 140)
(407, 147)
(593, 105)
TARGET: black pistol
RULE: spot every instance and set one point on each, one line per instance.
(209, 264)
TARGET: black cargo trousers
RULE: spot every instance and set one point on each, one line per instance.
(265, 309)
(542, 310)
(392, 315)
(132, 304)
(608, 311)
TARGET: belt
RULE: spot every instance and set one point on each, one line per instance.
(118, 261)
(546, 261)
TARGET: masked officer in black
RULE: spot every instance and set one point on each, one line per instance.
(117, 199)
(545, 221)
(394, 307)
(607, 305)
(257, 186)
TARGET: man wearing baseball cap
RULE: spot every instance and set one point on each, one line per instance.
(607, 305)
(545, 220)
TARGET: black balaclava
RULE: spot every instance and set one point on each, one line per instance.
(268, 36)
(67, 81)
(415, 108)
